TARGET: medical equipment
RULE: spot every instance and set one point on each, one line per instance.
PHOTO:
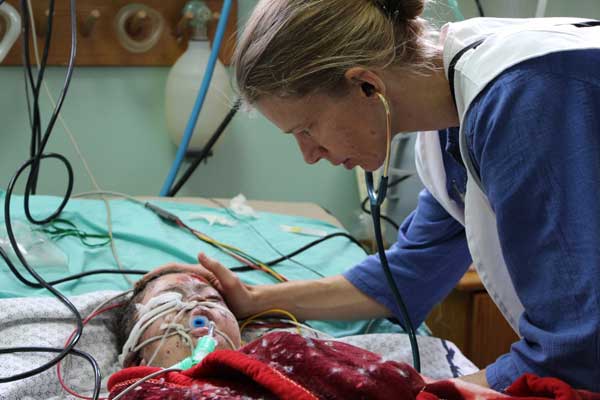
(39, 141)
(232, 251)
(198, 321)
(36, 246)
(206, 151)
(37, 154)
(60, 228)
(252, 318)
(185, 77)
(144, 379)
(75, 145)
(248, 223)
(363, 204)
(40, 137)
(204, 347)
(479, 8)
(13, 28)
(189, 129)
(300, 230)
(143, 15)
(158, 307)
(100, 309)
(375, 200)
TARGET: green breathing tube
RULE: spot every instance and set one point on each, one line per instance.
(204, 347)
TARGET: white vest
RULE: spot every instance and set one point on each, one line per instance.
(507, 43)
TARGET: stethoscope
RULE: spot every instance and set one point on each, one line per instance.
(376, 198)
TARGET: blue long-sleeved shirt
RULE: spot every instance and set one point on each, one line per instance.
(534, 136)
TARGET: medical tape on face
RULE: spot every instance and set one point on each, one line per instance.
(156, 308)
(183, 331)
(227, 338)
(164, 335)
(150, 340)
(158, 337)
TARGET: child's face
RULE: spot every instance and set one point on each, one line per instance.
(192, 288)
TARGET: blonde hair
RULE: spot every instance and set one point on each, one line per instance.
(296, 47)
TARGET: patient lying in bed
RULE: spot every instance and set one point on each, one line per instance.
(170, 310)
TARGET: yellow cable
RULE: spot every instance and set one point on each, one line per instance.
(224, 246)
(271, 311)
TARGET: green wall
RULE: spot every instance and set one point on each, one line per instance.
(117, 116)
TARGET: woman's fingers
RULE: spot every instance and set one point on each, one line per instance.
(227, 278)
(237, 295)
(185, 268)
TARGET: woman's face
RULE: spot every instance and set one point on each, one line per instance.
(348, 130)
(174, 348)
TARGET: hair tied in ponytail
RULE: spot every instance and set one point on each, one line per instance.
(391, 8)
(399, 10)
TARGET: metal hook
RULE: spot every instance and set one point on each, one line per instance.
(136, 23)
(41, 23)
(90, 21)
(183, 24)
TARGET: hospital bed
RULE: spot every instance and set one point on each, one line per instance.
(30, 318)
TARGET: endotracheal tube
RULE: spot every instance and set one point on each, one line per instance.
(205, 346)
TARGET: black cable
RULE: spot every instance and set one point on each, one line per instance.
(36, 88)
(7, 218)
(316, 242)
(247, 223)
(27, 68)
(303, 249)
(79, 353)
(80, 275)
(33, 164)
(363, 204)
(52, 121)
(206, 150)
(480, 8)
(395, 292)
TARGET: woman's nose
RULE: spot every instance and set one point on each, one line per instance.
(312, 153)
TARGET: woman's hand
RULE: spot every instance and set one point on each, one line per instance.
(327, 298)
(185, 268)
(239, 297)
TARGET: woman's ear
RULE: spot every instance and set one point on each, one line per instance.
(366, 81)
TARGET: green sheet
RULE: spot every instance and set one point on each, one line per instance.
(144, 241)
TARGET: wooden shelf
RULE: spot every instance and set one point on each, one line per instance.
(102, 47)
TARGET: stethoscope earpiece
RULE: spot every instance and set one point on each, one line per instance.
(368, 89)
(377, 197)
